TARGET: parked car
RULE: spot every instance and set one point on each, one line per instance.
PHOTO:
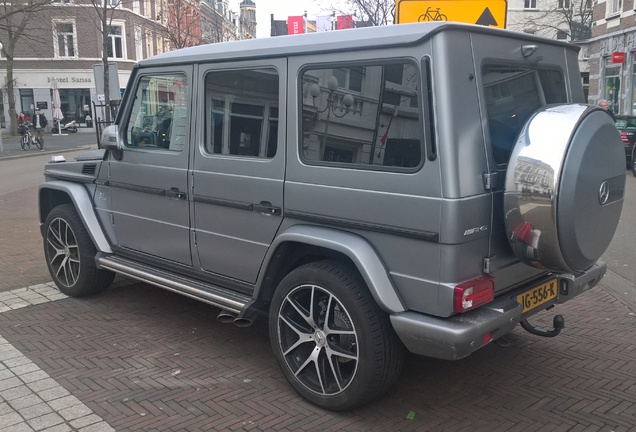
(626, 126)
(325, 182)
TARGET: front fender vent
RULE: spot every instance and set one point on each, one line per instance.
(89, 169)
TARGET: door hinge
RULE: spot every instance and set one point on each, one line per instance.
(489, 265)
(490, 180)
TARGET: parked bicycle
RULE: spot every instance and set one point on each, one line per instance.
(27, 139)
(432, 15)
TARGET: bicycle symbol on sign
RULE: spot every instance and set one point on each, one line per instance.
(432, 15)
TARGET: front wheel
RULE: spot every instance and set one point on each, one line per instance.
(25, 142)
(332, 341)
(70, 254)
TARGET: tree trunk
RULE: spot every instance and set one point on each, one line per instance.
(105, 40)
(11, 96)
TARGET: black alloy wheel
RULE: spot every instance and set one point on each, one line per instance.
(332, 341)
(70, 254)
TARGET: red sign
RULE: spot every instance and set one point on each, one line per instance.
(295, 25)
(344, 22)
(618, 57)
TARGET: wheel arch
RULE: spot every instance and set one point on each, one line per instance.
(301, 244)
(54, 193)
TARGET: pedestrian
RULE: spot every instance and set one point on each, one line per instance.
(603, 103)
(22, 118)
(23, 123)
(39, 123)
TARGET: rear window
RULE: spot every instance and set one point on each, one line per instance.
(513, 94)
(626, 123)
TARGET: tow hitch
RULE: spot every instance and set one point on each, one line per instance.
(558, 323)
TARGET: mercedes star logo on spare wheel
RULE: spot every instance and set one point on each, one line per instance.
(603, 193)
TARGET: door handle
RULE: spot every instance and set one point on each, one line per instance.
(175, 193)
(266, 207)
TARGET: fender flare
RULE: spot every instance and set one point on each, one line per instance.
(363, 255)
(84, 206)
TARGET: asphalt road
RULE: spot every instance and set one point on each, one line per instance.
(52, 143)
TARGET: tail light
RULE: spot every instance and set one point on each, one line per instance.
(474, 293)
(624, 137)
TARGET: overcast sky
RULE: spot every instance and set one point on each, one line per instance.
(284, 8)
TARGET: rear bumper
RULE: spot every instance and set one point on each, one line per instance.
(458, 336)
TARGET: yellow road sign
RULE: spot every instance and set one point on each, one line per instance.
(490, 13)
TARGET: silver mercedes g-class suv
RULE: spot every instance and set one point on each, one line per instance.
(424, 186)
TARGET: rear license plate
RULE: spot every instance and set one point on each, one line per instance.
(538, 295)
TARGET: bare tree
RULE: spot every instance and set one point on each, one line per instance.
(369, 13)
(16, 21)
(183, 28)
(104, 12)
(572, 18)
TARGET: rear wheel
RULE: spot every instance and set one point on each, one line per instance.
(70, 254)
(333, 343)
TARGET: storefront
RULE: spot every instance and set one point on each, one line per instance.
(615, 71)
(34, 89)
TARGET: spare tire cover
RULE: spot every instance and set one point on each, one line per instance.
(564, 187)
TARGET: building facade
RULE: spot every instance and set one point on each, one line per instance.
(612, 55)
(61, 44)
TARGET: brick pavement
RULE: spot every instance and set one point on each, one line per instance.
(140, 358)
(22, 258)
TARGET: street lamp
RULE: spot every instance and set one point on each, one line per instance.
(332, 99)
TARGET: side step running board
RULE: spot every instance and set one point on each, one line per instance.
(208, 293)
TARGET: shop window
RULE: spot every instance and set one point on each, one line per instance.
(612, 84)
(374, 124)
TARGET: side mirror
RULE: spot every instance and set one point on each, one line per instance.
(110, 138)
(110, 141)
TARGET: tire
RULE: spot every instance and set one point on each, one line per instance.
(25, 142)
(633, 164)
(54, 130)
(73, 130)
(336, 371)
(70, 254)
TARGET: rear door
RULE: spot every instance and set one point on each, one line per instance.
(511, 89)
(239, 165)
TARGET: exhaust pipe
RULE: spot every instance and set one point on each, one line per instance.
(226, 317)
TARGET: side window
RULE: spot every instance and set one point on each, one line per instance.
(363, 115)
(513, 94)
(159, 117)
(241, 112)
